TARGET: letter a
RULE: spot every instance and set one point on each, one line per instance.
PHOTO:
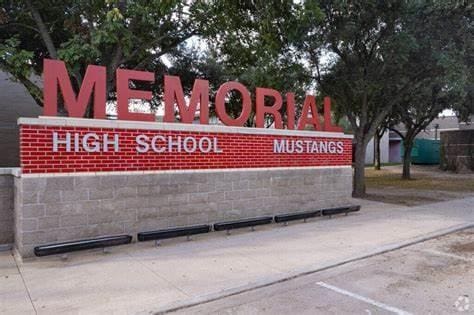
(309, 104)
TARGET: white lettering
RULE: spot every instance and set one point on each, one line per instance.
(172, 143)
(166, 144)
(57, 141)
(278, 146)
(155, 147)
(91, 142)
(115, 142)
(307, 146)
(186, 144)
(95, 144)
(216, 146)
(201, 145)
(142, 144)
(323, 147)
(76, 142)
(299, 146)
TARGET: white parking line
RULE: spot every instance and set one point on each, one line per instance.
(435, 252)
(363, 299)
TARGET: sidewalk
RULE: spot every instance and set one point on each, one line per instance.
(142, 278)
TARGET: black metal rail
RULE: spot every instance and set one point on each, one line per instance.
(66, 247)
(229, 225)
(102, 242)
(339, 210)
(297, 216)
(173, 232)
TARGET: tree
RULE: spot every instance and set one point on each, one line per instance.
(131, 34)
(366, 47)
(381, 52)
(248, 41)
(419, 111)
(286, 75)
(442, 36)
(256, 45)
(377, 137)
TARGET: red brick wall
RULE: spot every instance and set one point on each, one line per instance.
(239, 151)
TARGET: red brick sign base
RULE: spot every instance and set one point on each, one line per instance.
(94, 149)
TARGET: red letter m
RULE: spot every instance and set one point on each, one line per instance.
(174, 94)
(55, 74)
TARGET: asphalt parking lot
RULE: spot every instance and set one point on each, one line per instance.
(433, 277)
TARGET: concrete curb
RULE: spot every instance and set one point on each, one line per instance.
(293, 275)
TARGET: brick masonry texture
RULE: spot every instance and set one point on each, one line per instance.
(59, 208)
(239, 151)
(6, 209)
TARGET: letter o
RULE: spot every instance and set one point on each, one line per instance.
(220, 104)
(186, 143)
(201, 145)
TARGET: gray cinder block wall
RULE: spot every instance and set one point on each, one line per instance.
(6, 207)
(60, 208)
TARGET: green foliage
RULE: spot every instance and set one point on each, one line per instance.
(369, 56)
(407, 59)
(390, 56)
(257, 44)
(249, 41)
(131, 34)
(14, 59)
(443, 46)
(437, 76)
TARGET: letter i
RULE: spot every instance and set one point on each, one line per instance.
(76, 142)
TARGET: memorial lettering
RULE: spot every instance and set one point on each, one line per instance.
(57, 81)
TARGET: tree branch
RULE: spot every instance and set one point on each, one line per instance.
(164, 51)
(34, 90)
(113, 65)
(157, 41)
(21, 25)
(397, 132)
(43, 31)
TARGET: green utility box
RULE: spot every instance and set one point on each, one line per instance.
(424, 151)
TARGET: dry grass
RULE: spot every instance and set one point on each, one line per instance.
(391, 179)
(428, 185)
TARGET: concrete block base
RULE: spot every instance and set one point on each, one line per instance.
(6, 207)
(58, 208)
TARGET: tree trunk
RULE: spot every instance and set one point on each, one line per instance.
(43, 30)
(359, 170)
(407, 146)
(377, 151)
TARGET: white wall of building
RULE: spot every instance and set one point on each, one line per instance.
(384, 150)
